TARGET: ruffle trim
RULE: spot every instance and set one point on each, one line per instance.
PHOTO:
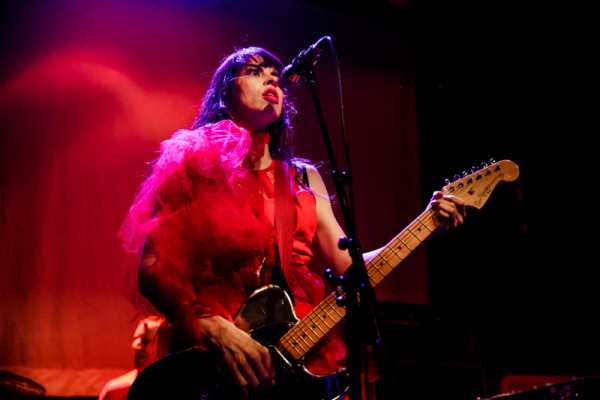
(214, 151)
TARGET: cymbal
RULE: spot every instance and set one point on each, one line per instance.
(17, 387)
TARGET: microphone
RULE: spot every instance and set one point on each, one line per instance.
(294, 72)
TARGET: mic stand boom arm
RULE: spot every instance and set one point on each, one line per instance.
(355, 283)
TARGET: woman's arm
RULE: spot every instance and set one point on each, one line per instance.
(450, 210)
(329, 230)
(168, 291)
(172, 294)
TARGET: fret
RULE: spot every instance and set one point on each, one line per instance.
(394, 251)
(290, 347)
(334, 307)
(386, 260)
(425, 225)
(316, 324)
(307, 331)
(408, 238)
(297, 338)
(414, 234)
(370, 275)
(404, 243)
(392, 257)
(400, 248)
(374, 265)
(322, 318)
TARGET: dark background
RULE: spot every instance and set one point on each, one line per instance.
(504, 78)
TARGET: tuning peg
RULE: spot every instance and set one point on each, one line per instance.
(484, 165)
(464, 173)
(447, 181)
(492, 161)
(474, 169)
(456, 177)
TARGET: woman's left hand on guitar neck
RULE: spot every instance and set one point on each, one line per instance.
(450, 211)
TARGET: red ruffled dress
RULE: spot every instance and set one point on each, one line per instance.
(213, 231)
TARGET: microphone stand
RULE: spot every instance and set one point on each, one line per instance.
(355, 284)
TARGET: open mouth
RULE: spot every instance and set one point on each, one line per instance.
(271, 95)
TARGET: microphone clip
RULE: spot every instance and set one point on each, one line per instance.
(304, 63)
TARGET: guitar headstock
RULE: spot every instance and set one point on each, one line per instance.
(475, 188)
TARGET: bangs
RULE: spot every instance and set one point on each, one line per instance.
(245, 56)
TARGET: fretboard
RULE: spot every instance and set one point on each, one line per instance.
(311, 329)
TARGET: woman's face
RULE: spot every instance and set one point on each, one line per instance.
(257, 98)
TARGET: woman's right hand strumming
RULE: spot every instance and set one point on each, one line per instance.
(248, 360)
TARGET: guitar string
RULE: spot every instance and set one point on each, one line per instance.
(290, 334)
(290, 346)
(296, 340)
(316, 324)
(305, 331)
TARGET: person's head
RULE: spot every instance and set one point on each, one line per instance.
(246, 89)
(145, 342)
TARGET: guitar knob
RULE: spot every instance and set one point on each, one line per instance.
(456, 177)
(492, 161)
(464, 173)
(446, 181)
(474, 169)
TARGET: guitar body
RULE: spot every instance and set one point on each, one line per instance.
(194, 374)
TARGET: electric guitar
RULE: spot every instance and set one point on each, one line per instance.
(269, 314)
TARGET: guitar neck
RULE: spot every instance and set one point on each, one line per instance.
(400, 247)
(474, 189)
(311, 329)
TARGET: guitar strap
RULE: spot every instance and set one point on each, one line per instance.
(285, 216)
(285, 223)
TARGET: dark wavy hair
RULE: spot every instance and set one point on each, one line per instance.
(216, 102)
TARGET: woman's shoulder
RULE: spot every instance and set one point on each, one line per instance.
(303, 164)
(311, 177)
(305, 169)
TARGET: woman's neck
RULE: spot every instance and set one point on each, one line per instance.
(259, 156)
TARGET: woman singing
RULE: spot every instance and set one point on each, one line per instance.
(205, 221)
